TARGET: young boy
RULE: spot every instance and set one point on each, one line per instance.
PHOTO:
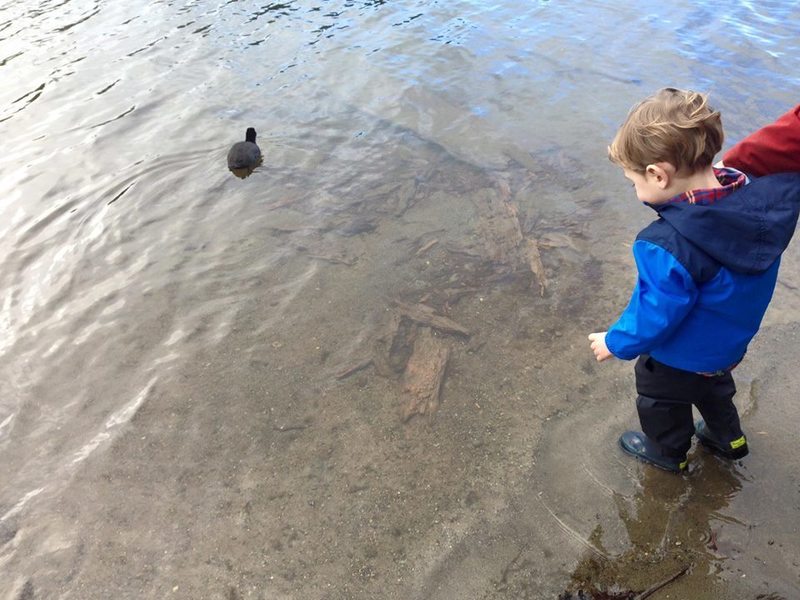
(707, 268)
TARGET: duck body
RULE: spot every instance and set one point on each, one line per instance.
(246, 154)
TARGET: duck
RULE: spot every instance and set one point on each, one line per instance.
(244, 157)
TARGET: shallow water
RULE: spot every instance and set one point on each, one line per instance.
(173, 415)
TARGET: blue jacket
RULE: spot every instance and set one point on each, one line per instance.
(706, 276)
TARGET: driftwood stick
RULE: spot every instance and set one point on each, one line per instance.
(511, 565)
(535, 264)
(426, 247)
(343, 374)
(425, 315)
(662, 584)
(335, 259)
(422, 380)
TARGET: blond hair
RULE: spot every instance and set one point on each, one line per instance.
(674, 126)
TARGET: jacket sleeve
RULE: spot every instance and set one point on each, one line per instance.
(664, 294)
(774, 148)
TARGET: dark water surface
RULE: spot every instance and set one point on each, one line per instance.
(178, 416)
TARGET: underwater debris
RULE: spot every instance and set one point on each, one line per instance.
(426, 247)
(357, 226)
(336, 260)
(422, 380)
(394, 346)
(535, 262)
(355, 368)
(623, 595)
(504, 241)
(425, 315)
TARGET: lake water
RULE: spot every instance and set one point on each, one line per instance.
(204, 381)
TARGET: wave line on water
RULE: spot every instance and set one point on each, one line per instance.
(126, 413)
(120, 417)
(21, 504)
(87, 449)
(5, 422)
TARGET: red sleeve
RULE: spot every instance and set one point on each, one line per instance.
(774, 148)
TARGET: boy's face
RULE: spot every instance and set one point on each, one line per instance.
(651, 186)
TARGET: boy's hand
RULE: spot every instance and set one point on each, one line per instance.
(599, 347)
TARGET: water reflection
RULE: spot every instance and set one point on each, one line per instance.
(672, 525)
(243, 172)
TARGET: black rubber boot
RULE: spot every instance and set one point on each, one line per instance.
(638, 445)
(732, 450)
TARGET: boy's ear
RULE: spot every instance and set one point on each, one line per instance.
(660, 174)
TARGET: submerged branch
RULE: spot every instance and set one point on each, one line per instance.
(662, 584)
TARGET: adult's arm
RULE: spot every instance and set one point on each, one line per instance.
(775, 148)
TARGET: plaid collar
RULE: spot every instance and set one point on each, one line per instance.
(731, 180)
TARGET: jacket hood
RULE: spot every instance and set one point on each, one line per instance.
(746, 230)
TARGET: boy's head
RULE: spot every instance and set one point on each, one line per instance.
(673, 126)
